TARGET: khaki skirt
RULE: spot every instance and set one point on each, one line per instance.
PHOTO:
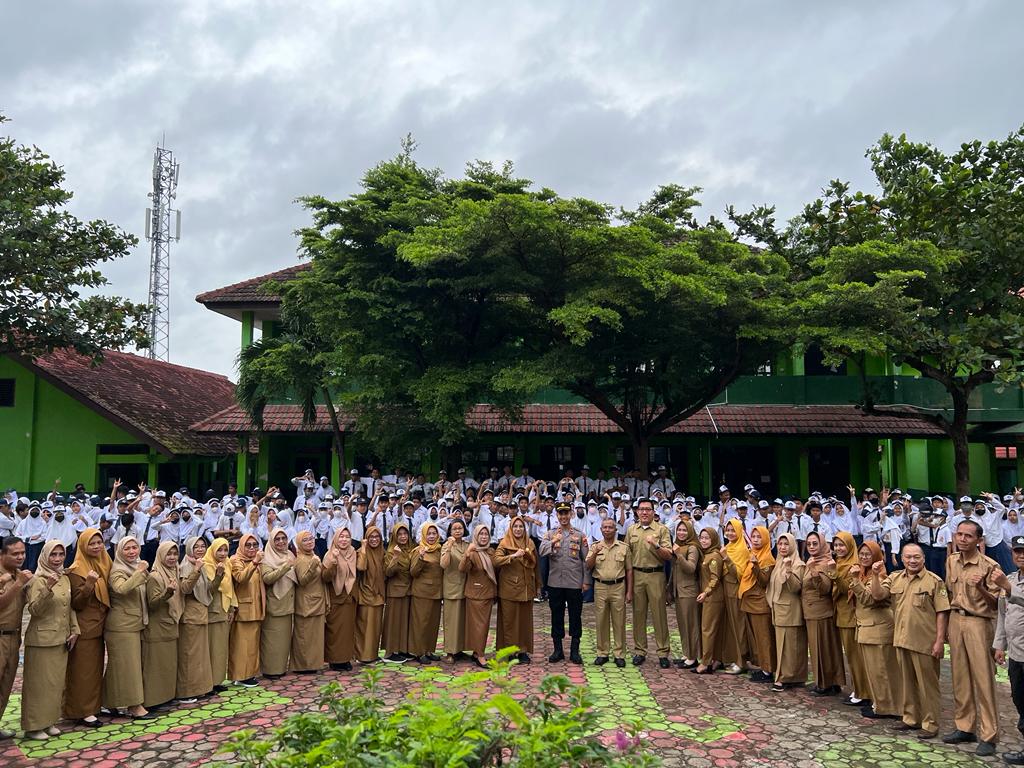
(454, 626)
(42, 686)
(159, 671)
(761, 639)
(308, 643)
(276, 644)
(244, 650)
(791, 655)
(219, 633)
(515, 625)
(194, 675)
(478, 624)
(424, 625)
(339, 641)
(826, 653)
(396, 625)
(122, 682)
(688, 621)
(369, 620)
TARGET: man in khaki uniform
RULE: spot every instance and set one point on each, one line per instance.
(920, 606)
(650, 547)
(12, 604)
(612, 568)
(972, 580)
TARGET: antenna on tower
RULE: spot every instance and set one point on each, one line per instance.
(160, 235)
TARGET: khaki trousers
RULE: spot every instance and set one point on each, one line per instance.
(974, 675)
(919, 677)
(610, 604)
(9, 647)
(649, 590)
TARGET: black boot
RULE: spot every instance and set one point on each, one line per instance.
(574, 651)
(559, 653)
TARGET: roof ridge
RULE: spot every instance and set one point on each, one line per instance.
(215, 293)
(147, 360)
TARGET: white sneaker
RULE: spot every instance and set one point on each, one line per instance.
(191, 700)
(37, 735)
(53, 730)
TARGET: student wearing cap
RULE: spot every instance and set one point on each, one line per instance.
(353, 486)
(972, 580)
(8, 520)
(612, 571)
(566, 550)
(1009, 640)
(650, 546)
(928, 528)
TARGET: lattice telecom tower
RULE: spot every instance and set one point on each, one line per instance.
(159, 234)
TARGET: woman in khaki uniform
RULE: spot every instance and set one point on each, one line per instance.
(221, 610)
(736, 557)
(427, 587)
(819, 616)
(875, 635)
(88, 575)
(481, 590)
(754, 604)
(846, 617)
(339, 571)
(310, 607)
(194, 676)
(122, 632)
(370, 596)
(784, 588)
(453, 591)
(396, 613)
(160, 637)
(244, 642)
(278, 573)
(712, 601)
(685, 562)
(516, 560)
(52, 631)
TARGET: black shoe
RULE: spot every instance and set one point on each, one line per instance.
(901, 726)
(985, 749)
(870, 714)
(477, 662)
(959, 737)
(574, 651)
(850, 701)
(619, 662)
(558, 654)
(97, 723)
(432, 657)
(1013, 758)
(524, 658)
(638, 660)
(925, 735)
(760, 676)
(663, 662)
(600, 661)
(345, 666)
(218, 689)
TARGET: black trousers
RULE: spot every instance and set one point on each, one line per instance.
(1015, 671)
(560, 598)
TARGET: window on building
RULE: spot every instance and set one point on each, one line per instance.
(473, 458)
(619, 455)
(764, 369)
(562, 453)
(1006, 451)
(6, 393)
(657, 455)
(505, 454)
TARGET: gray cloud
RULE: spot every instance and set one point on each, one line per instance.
(264, 102)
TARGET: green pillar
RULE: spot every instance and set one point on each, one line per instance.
(704, 464)
(152, 474)
(263, 465)
(248, 325)
(805, 471)
(242, 465)
(336, 465)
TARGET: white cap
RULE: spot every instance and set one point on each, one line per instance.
(723, 488)
(790, 505)
(616, 495)
(762, 504)
(966, 500)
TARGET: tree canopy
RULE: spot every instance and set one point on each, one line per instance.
(430, 295)
(929, 270)
(49, 259)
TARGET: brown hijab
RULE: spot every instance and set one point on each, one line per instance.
(483, 554)
(343, 555)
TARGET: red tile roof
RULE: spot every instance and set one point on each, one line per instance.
(250, 291)
(154, 400)
(716, 419)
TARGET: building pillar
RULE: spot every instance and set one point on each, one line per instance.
(804, 462)
(263, 464)
(704, 467)
(242, 465)
(152, 467)
(248, 326)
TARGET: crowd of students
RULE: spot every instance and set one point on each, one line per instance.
(142, 599)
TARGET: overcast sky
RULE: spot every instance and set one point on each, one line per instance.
(263, 102)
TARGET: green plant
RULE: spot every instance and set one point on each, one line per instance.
(481, 718)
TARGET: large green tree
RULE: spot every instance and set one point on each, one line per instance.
(928, 269)
(431, 295)
(49, 259)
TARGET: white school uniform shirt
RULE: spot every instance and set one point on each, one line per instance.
(147, 525)
(8, 524)
(707, 521)
(665, 485)
(301, 500)
(585, 484)
(784, 526)
(892, 534)
(992, 524)
(1013, 529)
(63, 531)
(170, 532)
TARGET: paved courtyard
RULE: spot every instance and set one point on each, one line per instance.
(689, 720)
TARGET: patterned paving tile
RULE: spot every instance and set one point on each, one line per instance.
(712, 721)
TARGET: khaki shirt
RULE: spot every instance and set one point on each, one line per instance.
(612, 561)
(10, 617)
(642, 554)
(964, 596)
(915, 602)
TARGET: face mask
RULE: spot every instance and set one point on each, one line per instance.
(580, 513)
(34, 513)
(186, 518)
(433, 515)
(59, 517)
(698, 516)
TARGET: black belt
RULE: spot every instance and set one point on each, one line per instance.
(612, 581)
(962, 612)
(10, 631)
(655, 569)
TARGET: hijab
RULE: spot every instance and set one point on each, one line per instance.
(715, 542)
(844, 564)
(273, 560)
(127, 567)
(373, 559)
(227, 584)
(877, 556)
(796, 568)
(690, 539)
(43, 569)
(763, 555)
(201, 589)
(300, 556)
(483, 555)
(824, 557)
(428, 548)
(102, 564)
(511, 543)
(738, 551)
(345, 558)
(168, 577)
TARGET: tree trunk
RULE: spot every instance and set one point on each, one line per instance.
(337, 436)
(958, 434)
(641, 454)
